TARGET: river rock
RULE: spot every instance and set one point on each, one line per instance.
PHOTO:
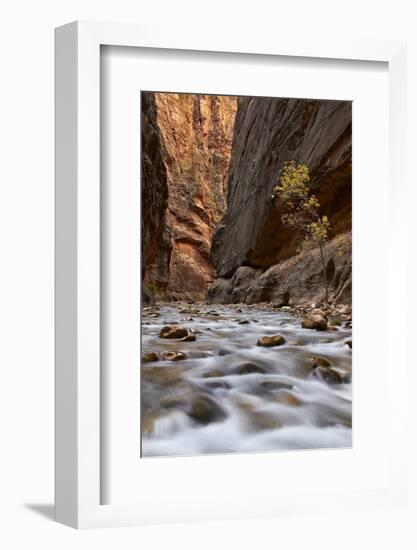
(328, 375)
(349, 343)
(174, 356)
(205, 410)
(249, 368)
(188, 338)
(213, 374)
(270, 341)
(149, 357)
(263, 420)
(316, 322)
(162, 375)
(320, 312)
(216, 384)
(174, 402)
(273, 385)
(315, 362)
(288, 398)
(173, 331)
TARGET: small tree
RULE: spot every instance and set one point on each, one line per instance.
(301, 210)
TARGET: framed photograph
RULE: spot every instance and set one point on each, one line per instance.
(216, 206)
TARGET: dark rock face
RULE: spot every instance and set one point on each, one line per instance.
(156, 246)
(147, 296)
(233, 290)
(268, 132)
(296, 280)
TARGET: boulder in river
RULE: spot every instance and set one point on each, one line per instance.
(173, 331)
(318, 311)
(270, 341)
(205, 410)
(316, 322)
(163, 376)
(216, 384)
(315, 362)
(213, 374)
(174, 356)
(189, 338)
(288, 398)
(328, 375)
(174, 402)
(149, 357)
(273, 385)
(263, 420)
(249, 368)
(349, 343)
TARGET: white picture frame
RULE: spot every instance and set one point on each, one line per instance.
(77, 242)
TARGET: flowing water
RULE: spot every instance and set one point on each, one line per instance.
(230, 395)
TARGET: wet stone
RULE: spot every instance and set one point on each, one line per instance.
(174, 402)
(205, 410)
(218, 384)
(328, 375)
(288, 398)
(149, 357)
(270, 341)
(213, 374)
(162, 375)
(189, 338)
(249, 368)
(315, 362)
(173, 331)
(316, 322)
(274, 385)
(174, 356)
(262, 420)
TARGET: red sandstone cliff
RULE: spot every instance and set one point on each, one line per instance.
(195, 137)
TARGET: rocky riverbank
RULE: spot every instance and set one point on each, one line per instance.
(245, 378)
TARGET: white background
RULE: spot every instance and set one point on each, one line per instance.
(26, 274)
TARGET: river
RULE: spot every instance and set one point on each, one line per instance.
(230, 395)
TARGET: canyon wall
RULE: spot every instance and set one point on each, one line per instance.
(156, 243)
(194, 137)
(255, 256)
